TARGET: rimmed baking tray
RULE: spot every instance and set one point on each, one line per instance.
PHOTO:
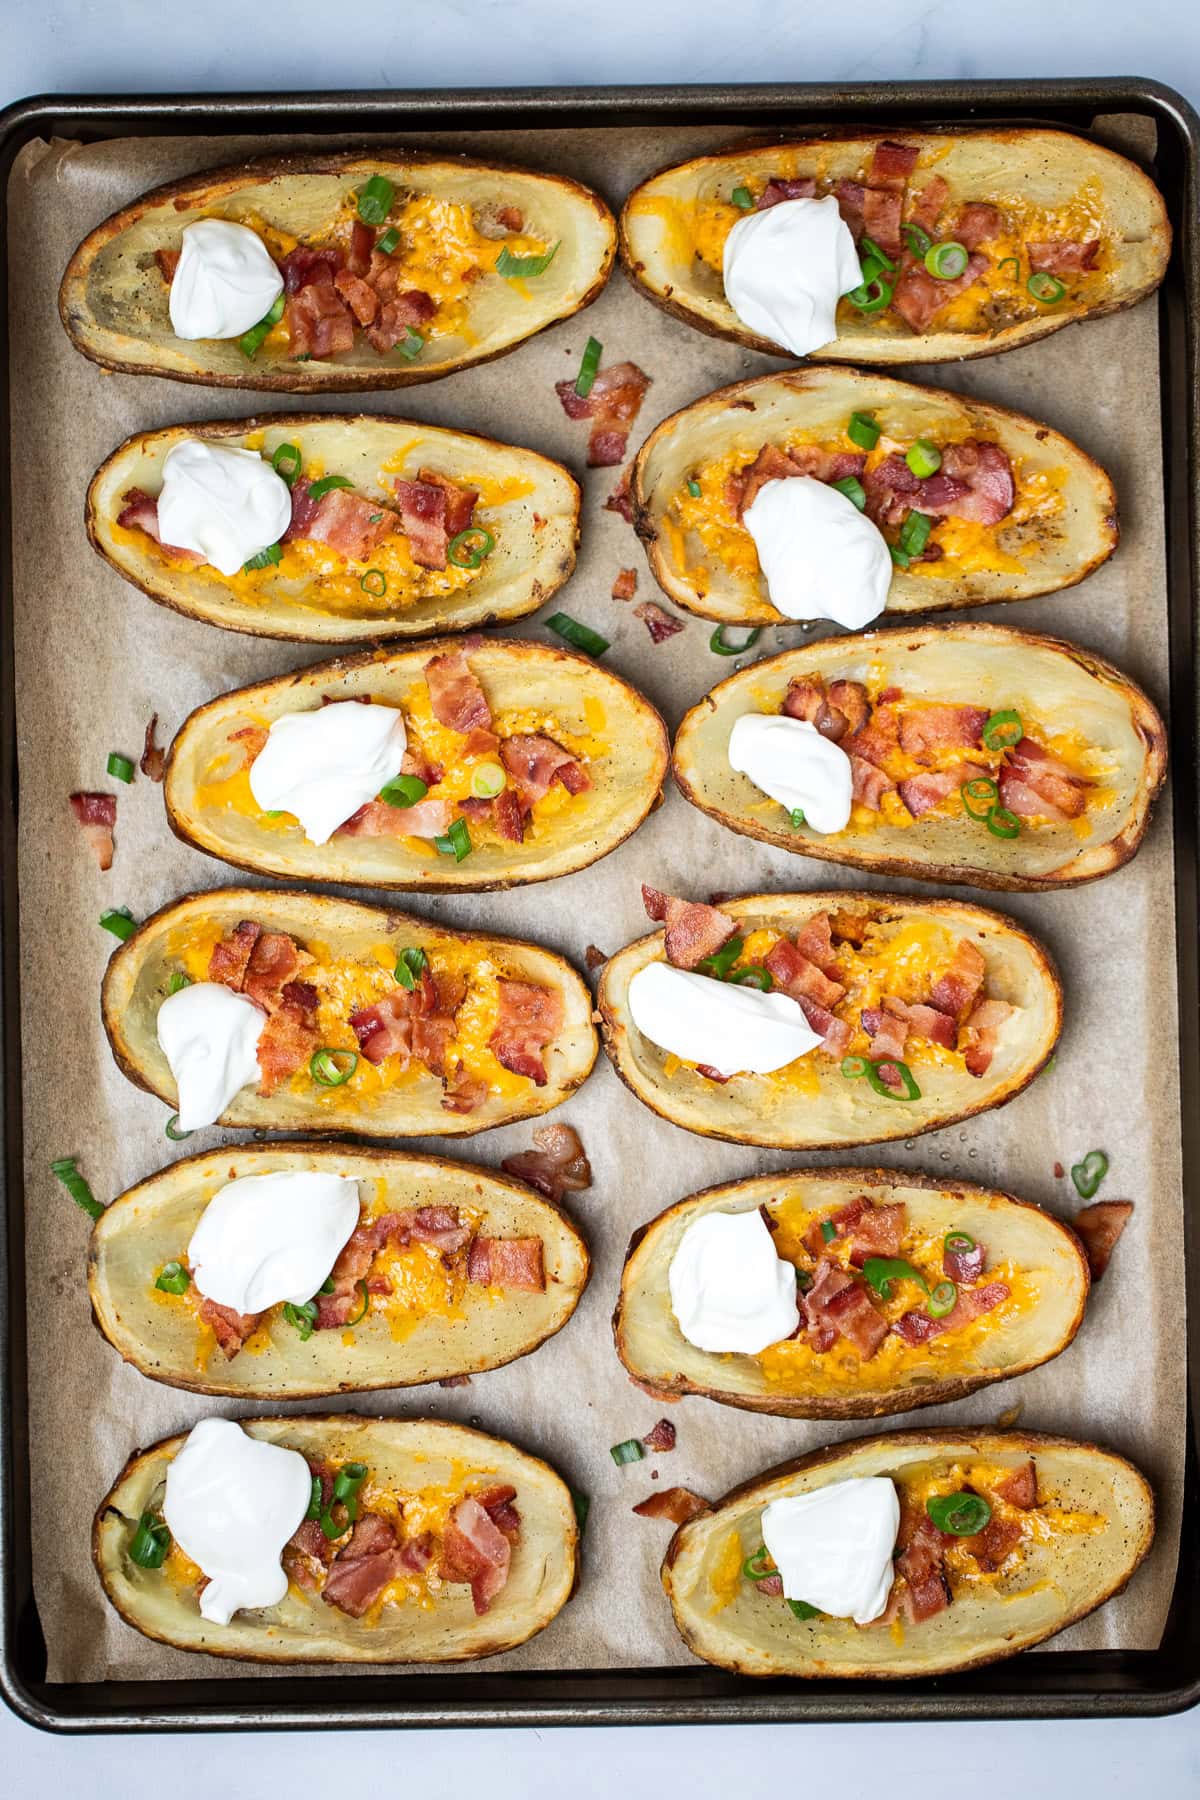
(1046, 1685)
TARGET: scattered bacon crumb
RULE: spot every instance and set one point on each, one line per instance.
(1100, 1225)
(1059, 1171)
(625, 586)
(153, 758)
(659, 623)
(662, 1437)
(453, 1381)
(97, 814)
(593, 957)
(619, 502)
(679, 1504)
(556, 1167)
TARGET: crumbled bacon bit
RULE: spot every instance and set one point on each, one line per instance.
(453, 1381)
(97, 815)
(594, 958)
(625, 585)
(659, 623)
(1059, 1171)
(153, 758)
(678, 1504)
(556, 1167)
(619, 501)
(661, 1437)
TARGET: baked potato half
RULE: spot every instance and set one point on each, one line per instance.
(348, 954)
(1078, 784)
(1054, 195)
(1037, 1261)
(453, 219)
(527, 504)
(1092, 1525)
(434, 1323)
(880, 951)
(429, 1459)
(1061, 523)
(566, 701)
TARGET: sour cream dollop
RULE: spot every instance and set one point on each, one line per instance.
(787, 267)
(790, 760)
(224, 504)
(822, 558)
(833, 1546)
(224, 283)
(323, 765)
(232, 1502)
(263, 1239)
(729, 1290)
(209, 1036)
(734, 1030)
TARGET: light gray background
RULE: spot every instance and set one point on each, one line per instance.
(144, 46)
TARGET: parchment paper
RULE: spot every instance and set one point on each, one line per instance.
(95, 658)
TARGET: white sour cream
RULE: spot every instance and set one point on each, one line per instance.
(729, 1290)
(263, 1239)
(790, 760)
(822, 558)
(232, 1502)
(323, 765)
(787, 267)
(224, 504)
(209, 1036)
(833, 1546)
(224, 283)
(732, 1029)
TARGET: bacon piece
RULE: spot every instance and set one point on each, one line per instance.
(785, 187)
(919, 296)
(417, 1553)
(230, 959)
(987, 471)
(1019, 1486)
(850, 699)
(921, 793)
(427, 819)
(153, 758)
(956, 990)
(928, 203)
(363, 1567)
(892, 164)
(594, 957)
(793, 974)
(975, 223)
(362, 245)
(139, 512)
(350, 524)
(1100, 1225)
(693, 930)
(964, 1266)
(474, 1549)
(1057, 792)
(612, 405)
(806, 700)
(534, 762)
(877, 1231)
(835, 1033)
(423, 517)
(920, 1563)
(929, 728)
(358, 294)
(530, 1017)
(972, 1303)
(458, 701)
(505, 814)
(994, 1544)
(286, 1043)
(619, 500)
(661, 1437)
(924, 1021)
(887, 1032)
(97, 817)
(231, 1328)
(352, 1266)
(869, 784)
(978, 1041)
(773, 463)
(507, 1263)
(406, 310)
(384, 1029)
(308, 1552)
(878, 738)
(625, 585)
(460, 501)
(556, 1166)
(317, 321)
(168, 262)
(658, 621)
(304, 510)
(303, 266)
(440, 1226)
(836, 1303)
(497, 1503)
(815, 941)
(275, 960)
(1057, 256)
(881, 218)
(850, 196)
(676, 1504)
(464, 1093)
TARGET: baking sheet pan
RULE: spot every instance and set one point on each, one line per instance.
(612, 1654)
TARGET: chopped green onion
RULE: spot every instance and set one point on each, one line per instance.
(947, 261)
(853, 489)
(719, 646)
(753, 976)
(1001, 730)
(457, 841)
(178, 982)
(979, 796)
(588, 366)
(961, 1514)
(346, 1484)
(172, 1130)
(327, 484)
(722, 960)
(365, 1308)
(488, 780)
(631, 1451)
(118, 920)
(958, 1243)
(1016, 263)
(173, 1278)
(863, 430)
(403, 791)
(315, 1499)
(264, 560)
(880, 1086)
(581, 636)
(410, 345)
(1002, 823)
(583, 1507)
(326, 1286)
(828, 1230)
(872, 297)
(758, 1565)
(1088, 1174)
(410, 966)
(899, 557)
(943, 1300)
(287, 462)
(302, 1318)
(872, 249)
(918, 241)
(374, 582)
(509, 265)
(803, 1610)
(332, 1068)
(388, 243)
(252, 341)
(375, 200)
(853, 1067)
(119, 767)
(914, 533)
(693, 488)
(468, 549)
(923, 458)
(743, 198)
(803, 1281)
(76, 1186)
(796, 818)
(880, 1272)
(150, 1542)
(1046, 287)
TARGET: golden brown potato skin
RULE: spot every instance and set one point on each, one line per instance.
(816, 403)
(113, 302)
(655, 1352)
(1074, 1574)
(981, 664)
(1048, 166)
(302, 1629)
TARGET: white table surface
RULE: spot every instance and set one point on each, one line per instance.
(145, 46)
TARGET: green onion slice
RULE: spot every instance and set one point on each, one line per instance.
(375, 200)
(327, 484)
(872, 249)
(880, 1272)
(693, 488)
(899, 556)
(389, 242)
(150, 1542)
(287, 462)
(411, 345)
(346, 1484)
(1046, 287)
(173, 1278)
(720, 645)
(76, 1186)
(488, 780)
(315, 1498)
(796, 818)
(178, 982)
(979, 796)
(265, 559)
(803, 1281)
(252, 341)
(880, 1086)
(961, 1514)
(754, 976)
(743, 198)
(914, 533)
(403, 791)
(918, 241)
(959, 1243)
(374, 582)
(171, 1128)
(872, 297)
(332, 1068)
(923, 458)
(365, 1308)
(119, 767)
(302, 1318)
(118, 920)
(947, 261)
(509, 265)
(581, 636)
(853, 489)
(457, 841)
(631, 1451)
(1002, 823)
(410, 966)
(863, 430)
(1016, 263)
(588, 366)
(1001, 730)
(1088, 1174)
(326, 1286)
(853, 1067)
(722, 960)
(758, 1565)
(828, 1230)
(802, 1609)
(583, 1507)
(468, 549)
(943, 1300)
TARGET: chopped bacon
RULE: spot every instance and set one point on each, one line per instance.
(308, 1552)
(139, 512)
(497, 1503)
(850, 699)
(917, 1327)
(530, 1017)
(806, 700)
(978, 1041)
(358, 294)
(427, 819)
(877, 1231)
(594, 957)
(881, 218)
(286, 1043)
(304, 510)
(1058, 257)
(350, 524)
(793, 974)
(466, 1093)
(303, 266)
(1038, 783)
(384, 1029)
(994, 1544)
(677, 1504)
(401, 312)
(168, 262)
(1100, 1225)
(475, 1550)
(773, 463)
(428, 510)
(511, 217)
(153, 758)
(440, 1226)
(869, 784)
(417, 1553)
(460, 501)
(693, 930)
(97, 816)
(835, 1033)
(658, 621)
(828, 1281)
(920, 1563)
(661, 1437)
(556, 1166)
(851, 1312)
(362, 245)
(505, 814)
(625, 585)
(230, 958)
(975, 223)
(507, 1263)
(924, 1021)
(919, 296)
(850, 196)
(231, 1328)
(534, 763)
(619, 500)
(987, 471)
(887, 1033)
(928, 203)
(932, 727)
(892, 164)
(363, 1567)
(878, 738)
(1019, 1486)
(275, 960)
(612, 405)
(815, 941)
(318, 323)
(457, 700)
(352, 1266)
(957, 990)
(964, 1266)
(921, 793)
(786, 187)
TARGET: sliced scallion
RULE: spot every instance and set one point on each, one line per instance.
(720, 645)
(853, 489)
(76, 1185)
(879, 1086)
(375, 200)
(178, 982)
(881, 257)
(410, 966)
(468, 548)
(252, 341)
(918, 240)
(332, 1068)
(301, 1318)
(1002, 823)
(374, 582)
(1046, 287)
(511, 266)
(693, 488)
(456, 843)
(947, 261)
(583, 1507)
(120, 921)
(365, 1308)
(581, 636)
(1001, 730)
(410, 345)
(287, 462)
(863, 430)
(796, 818)
(173, 1278)
(960, 1515)
(119, 767)
(754, 976)
(171, 1128)
(588, 366)
(488, 780)
(150, 1542)
(266, 559)
(326, 485)
(389, 242)
(631, 1451)
(879, 1272)
(942, 1300)
(923, 458)
(722, 960)
(403, 791)
(1088, 1174)
(742, 198)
